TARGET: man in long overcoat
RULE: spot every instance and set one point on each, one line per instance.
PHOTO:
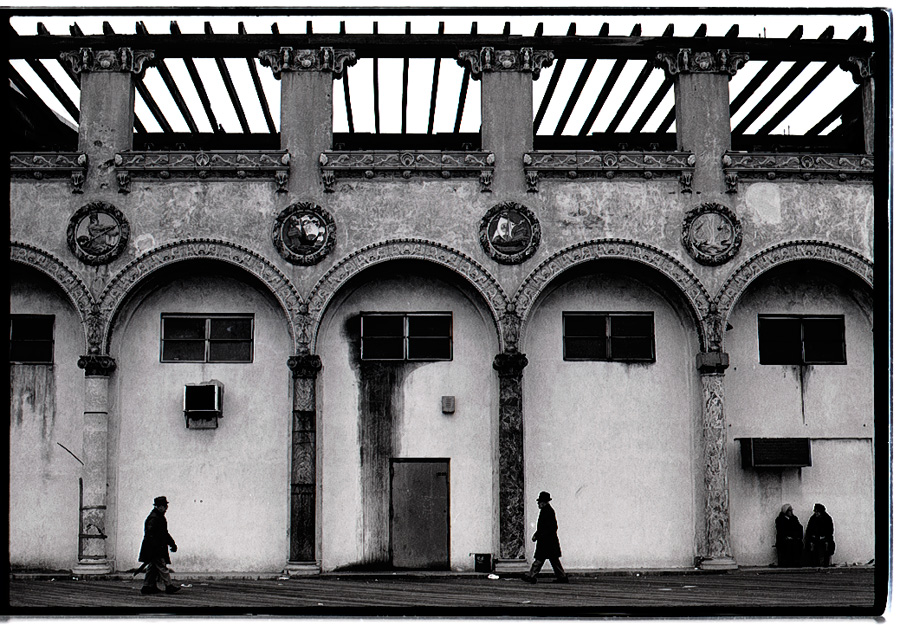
(547, 547)
(820, 537)
(155, 549)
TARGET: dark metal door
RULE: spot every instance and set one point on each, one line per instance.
(420, 514)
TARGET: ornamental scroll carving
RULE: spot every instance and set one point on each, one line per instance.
(375, 165)
(43, 165)
(325, 59)
(489, 59)
(717, 534)
(688, 61)
(609, 165)
(783, 165)
(120, 60)
(329, 284)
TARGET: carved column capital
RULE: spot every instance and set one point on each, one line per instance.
(860, 68)
(325, 59)
(510, 364)
(712, 363)
(120, 60)
(305, 365)
(488, 59)
(687, 61)
(97, 364)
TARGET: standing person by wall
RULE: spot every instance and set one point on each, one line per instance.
(547, 547)
(788, 537)
(820, 537)
(155, 549)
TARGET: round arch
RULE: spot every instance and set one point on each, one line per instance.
(70, 283)
(396, 249)
(206, 249)
(686, 282)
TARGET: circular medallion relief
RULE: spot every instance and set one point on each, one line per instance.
(303, 233)
(97, 233)
(509, 233)
(711, 234)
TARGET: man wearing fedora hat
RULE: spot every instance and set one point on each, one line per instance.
(155, 549)
(547, 547)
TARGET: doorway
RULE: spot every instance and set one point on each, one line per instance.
(420, 513)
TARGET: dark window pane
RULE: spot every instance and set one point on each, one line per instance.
(584, 349)
(31, 327)
(382, 325)
(631, 325)
(230, 328)
(584, 325)
(382, 348)
(429, 349)
(184, 328)
(193, 351)
(229, 351)
(631, 348)
(31, 351)
(779, 341)
(429, 325)
(823, 340)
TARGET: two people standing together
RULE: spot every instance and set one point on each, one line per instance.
(789, 537)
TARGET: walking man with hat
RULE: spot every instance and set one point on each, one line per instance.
(547, 547)
(155, 549)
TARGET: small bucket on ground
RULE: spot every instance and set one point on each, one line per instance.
(483, 563)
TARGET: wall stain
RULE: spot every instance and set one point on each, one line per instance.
(32, 394)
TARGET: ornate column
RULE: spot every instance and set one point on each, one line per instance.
(302, 559)
(862, 71)
(507, 117)
(702, 116)
(715, 539)
(509, 366)
(107, 106)
(92, 554)
(306, 108)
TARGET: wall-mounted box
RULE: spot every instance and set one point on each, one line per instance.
(775, 453)
(203, 405)
(448, 404)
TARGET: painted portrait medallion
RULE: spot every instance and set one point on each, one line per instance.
(97, 233)
(711, 234)
(510, 233)
(303, 233)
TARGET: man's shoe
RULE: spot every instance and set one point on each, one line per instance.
(530, 579)
(171, 590)
(150, 590)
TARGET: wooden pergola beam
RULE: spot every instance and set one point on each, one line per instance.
(197, 81)
(229, 85)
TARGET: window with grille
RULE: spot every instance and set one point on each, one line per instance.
(31, 339)
(406, 336)
(801, 340)
(206, 338)
(608, 336)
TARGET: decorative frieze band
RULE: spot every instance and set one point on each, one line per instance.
(392, 164)
(120, 60)
(43, 165)
(688, 61)
(219, 165)
(491, 60)
(590, 164)
(326, 59)
(774, 166)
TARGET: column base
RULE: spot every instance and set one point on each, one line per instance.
(299, 569)
(93, 567)
(511, 565)
(718, 564)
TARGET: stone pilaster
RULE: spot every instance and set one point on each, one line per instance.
(306, 109)
(862, 71)
(715, 543)
(304, 369)
(92, 548)
(509, 366)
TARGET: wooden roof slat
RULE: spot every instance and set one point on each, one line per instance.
(654, 103)
(838, 111)
(434, 85)
(777, 89)
(539, 29)
(607, 88)
(760, 77)
(345, 80)
(229, 85)
(586, 70)
(405, 95)
(463, 89)
(198, 83)
(260, 94)
(54, 87)
(551, 85)
(375, 98)
(172, 86)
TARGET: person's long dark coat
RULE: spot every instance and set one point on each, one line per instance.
(788, 539)
(156, 538)
(820, 531)
(547, 540)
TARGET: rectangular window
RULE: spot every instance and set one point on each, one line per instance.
(206, 338)
(406, 336)
(801, 340)
(608, 336)
(31, 339)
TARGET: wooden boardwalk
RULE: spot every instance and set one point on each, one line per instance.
(836, 591)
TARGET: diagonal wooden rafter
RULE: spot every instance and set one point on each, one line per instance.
(171, 85)
(345, 80)
(463, 89)
(375, 99)
(229, 85)
(607, 88)
(586, 70)
(198, 84)
(551, 85)
(838, 111)
(765, 71)
(260, 94)
(434, 86)
(405, 96)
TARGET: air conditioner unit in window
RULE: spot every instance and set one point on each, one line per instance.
(775, 453)
(203, 404)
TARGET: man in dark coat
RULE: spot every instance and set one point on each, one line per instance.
(820, 537)
(788, 537)
(155, 549)
(547, 547)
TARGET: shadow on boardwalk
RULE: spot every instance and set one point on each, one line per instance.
(851, 591)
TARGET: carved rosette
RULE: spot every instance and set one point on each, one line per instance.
(304, 233)
(97, 364)
(120, 60)
(509, 233)
(325, 59)
(97, 233)
(488, 59)
(688, 61)
(711, 234)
